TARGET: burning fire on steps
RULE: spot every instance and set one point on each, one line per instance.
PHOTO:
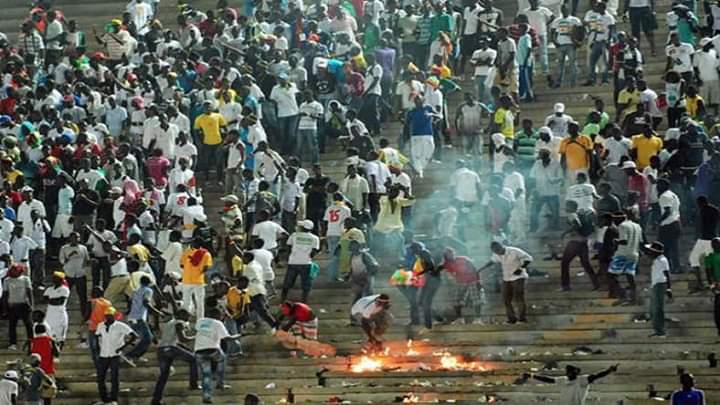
(412, 356)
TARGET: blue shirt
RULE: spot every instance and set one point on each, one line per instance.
(10, 214)
(139, 310)
(420, 121)
(692, 397)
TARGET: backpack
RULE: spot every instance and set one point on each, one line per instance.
(587, 222)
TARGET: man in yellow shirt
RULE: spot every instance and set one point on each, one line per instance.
(575, 152)
(209, 129)
(195, 262)
(645, 146)
(627, 100)
(504, 119)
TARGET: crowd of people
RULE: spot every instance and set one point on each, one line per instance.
(107, 157)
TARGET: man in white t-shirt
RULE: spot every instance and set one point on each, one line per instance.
(283, 95)
(469, 39)
(303, 246)
(670, 229)
(265, 258)
(679, 57)
(113, 336)
(267, 230)
(372, 314)
(601, 25)
(311, 112)
(484, 61)
(562, 35)
(706, 65)
(370, 111)
(406, 91)
(573, 386)
(9, 388)
(466, 184)
(377, 174)
(209, 334)
(648, 97)
(335, 216)
(583, 193)
(540, 18)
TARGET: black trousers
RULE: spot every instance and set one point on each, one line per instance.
(19, 312)
(80, 284)
(101, 272)
(717, 312)
(572, 250)
(105, 363)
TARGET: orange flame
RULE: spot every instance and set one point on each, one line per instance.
(411, 398)
(410, 350)
(366, 364)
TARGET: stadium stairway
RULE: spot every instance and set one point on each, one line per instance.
(581, 327)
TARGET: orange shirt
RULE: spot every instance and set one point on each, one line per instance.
(576, 152)
(97, 316)
(194, 274)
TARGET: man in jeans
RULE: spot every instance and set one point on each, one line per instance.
(601, 27)
(577, 243)
(210, 332)
(311, 112)
(548, 179)
(113, 336)
(173, 332)
(303, 246)
(514, 262)
(141, 304)
(209, 129)
(562, 30)
(283, 95)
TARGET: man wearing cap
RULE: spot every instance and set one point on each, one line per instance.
(9, 388)
(283, 95)
(303, 247)
(113, 337)
(56, 315)
(659, 287)
(116, 41)
(639, 184)
(548, 140)
(558, 121)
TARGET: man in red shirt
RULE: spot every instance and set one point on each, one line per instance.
(468, 290)
(300, 318)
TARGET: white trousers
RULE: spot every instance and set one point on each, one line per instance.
(194, 298)
(421, 151)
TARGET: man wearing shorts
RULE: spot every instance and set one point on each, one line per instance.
(625, 260)
(708, 218)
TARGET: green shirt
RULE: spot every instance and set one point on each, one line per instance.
(440, 23)
(712, 262)
(525, 145)
(684, 30)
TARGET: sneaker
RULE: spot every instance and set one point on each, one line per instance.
(478, 322)
(12, 347)
(142, 360)
(658, 335)
(82, 345)
(459, 321)
(128, 360)
(223, 386)
(172, 371)
(424, 331)
(509, 322)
